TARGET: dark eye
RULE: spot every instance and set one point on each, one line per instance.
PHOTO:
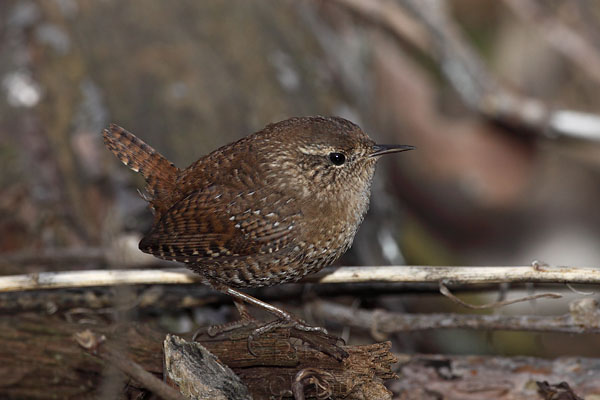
(337, 158)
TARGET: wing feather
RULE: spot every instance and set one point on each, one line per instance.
(208, 224)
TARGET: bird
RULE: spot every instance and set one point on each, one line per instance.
(270, 208)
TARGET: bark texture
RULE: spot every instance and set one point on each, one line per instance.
(42, 359)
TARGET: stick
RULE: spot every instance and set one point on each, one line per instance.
(96, 345)
(583, 318)
(411, 274)
(446, 292)
(71, 279)
(40, 358)
(153, 298)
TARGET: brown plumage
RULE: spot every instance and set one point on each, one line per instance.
(269, 208)
(160, 174)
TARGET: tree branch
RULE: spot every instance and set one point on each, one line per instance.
(97, 346)
(446, 292)
(410, 274)
(40, 358)
(584, 317)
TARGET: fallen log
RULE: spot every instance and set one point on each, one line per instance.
(41, 359)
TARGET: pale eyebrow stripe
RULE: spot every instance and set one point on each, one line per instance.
(311, 151)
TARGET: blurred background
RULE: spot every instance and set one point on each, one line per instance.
(499, 97)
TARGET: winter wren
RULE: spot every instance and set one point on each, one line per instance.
(267, 209)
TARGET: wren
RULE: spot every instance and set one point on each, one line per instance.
(270, 208)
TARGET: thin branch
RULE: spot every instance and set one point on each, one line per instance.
(446, 292)
(583, 318)
(572, 289)
(457, 275)
(71, 279)
(153, 298)
(411, 274)
(96, 345)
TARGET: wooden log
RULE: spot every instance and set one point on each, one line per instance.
(430, 376)
(199, 374)
(96, 345)
(283, 360)
(41, 359)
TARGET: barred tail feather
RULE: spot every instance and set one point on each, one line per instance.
(160, 173)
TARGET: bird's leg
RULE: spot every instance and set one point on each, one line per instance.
(246, 319)
(323, 341)
(284, 318)
(281, 314)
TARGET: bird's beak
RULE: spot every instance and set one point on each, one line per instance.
(381, 149)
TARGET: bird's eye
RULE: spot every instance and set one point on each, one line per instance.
(337, 158)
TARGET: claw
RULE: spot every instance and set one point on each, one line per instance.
(308, 328)
(261, 330)
(283, 323)
(322, 341)
(251, 338)
(216, 330)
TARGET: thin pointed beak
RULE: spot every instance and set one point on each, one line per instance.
(381, 149)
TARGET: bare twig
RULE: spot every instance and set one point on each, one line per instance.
(97, 346)
(583, 318)
(414, 274)
(105, 300)
(446, 292)
(70, 279)
(577, 291)
(457, 275)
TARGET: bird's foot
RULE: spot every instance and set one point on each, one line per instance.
(286, 323)
(216, 330)
(314, 335)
